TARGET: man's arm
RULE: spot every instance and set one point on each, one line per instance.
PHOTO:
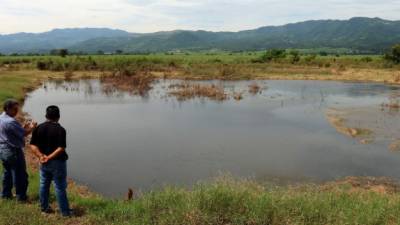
(15, 129)
(62, 143)
(34, 146)
(56, 153)
(37, 153)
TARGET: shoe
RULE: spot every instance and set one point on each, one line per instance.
(48, 211)
(6, 197)
(23, 200)
(69, 214)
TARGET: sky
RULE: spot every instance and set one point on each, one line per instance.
(160, 15)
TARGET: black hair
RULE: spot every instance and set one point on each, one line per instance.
(53, 113)
(9, 104)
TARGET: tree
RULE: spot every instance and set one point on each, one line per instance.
(60, 52)
(273, 54)
(119, 52)
(323, 53)
(294, 56)
(394, 54)
(63, 52)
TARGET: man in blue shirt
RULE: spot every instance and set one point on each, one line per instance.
(12, 143)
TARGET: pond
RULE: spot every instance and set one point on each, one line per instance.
(117, 140)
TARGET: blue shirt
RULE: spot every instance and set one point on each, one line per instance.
(11, 132)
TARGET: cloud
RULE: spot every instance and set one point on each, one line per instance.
(155, 15)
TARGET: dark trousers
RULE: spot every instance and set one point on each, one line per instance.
(14, 173)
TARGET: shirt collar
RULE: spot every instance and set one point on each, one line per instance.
(6, 116)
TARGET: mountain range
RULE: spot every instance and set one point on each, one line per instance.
(360, 34)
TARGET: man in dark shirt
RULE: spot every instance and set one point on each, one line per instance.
(48, 143)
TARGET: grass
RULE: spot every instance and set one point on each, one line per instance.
(12, 87)
(225, 200)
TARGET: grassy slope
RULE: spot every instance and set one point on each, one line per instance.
(221, 202)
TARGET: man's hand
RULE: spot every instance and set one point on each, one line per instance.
(43, 159)
(29, 127)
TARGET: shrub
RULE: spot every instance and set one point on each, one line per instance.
(40, 65)
(394, 54)
(273, 55)
(323, 53)
(59, 52)
(294, 56)
(366, 59)
(310, 58)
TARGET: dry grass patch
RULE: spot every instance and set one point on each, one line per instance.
(254, 88)
(139, 84)
(186, 91)
(338, 121)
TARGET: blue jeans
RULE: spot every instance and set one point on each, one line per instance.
(14, 173)
(54, 170)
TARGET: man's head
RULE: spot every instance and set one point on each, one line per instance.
(11, 106)
(53, 113)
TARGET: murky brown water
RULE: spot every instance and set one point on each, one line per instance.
(116, 140)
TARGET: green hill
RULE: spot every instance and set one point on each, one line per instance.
(363, 35)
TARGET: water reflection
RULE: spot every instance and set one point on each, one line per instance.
(118, 140)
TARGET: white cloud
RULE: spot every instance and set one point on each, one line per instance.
(155, 15)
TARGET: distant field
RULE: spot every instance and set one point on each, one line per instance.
(110, 62)
(218, 65)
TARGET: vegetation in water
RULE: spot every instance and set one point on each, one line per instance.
(187, 90)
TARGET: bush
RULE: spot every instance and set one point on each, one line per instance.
(323, 53)
(310, 58)
(273, 55)
(41, 65)
(59, 52)
(366, 59)
(294, 56)
(394, 54)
